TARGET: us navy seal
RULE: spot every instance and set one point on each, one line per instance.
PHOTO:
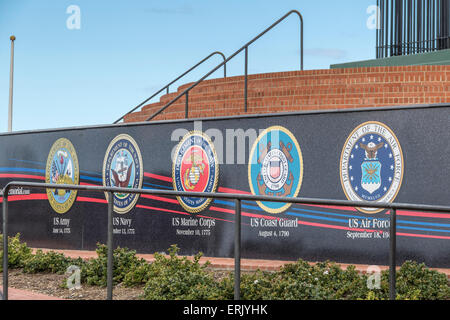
(122, 167)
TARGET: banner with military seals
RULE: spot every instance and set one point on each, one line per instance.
(195, 168)
(62, 168)
(371, 165)
(417, 172)
(275, 167)
(123, 168)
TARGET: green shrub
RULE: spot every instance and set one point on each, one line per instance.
(298, 281)
(327, 281)
(125, 261)
(322, 281)
(428, 284)
(51, 262)
(18, 252)
(415, 281)
(137, 276)
(254, 286)
(176, 278)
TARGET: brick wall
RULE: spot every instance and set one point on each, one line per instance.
(308, 90)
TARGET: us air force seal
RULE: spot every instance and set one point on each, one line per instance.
(62, 168)
(195, 168)
(123, 168)
(371, 166)
(275, 167)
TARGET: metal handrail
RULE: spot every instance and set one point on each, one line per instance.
(237, 230)
(245, 47)
(166, 87)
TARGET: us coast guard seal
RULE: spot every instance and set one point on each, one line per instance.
(62, 168)
(275, 167)
(195, 168)
(123, 168)
(371, 166)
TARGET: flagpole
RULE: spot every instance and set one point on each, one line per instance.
(11, 73)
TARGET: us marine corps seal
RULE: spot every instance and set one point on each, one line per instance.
(62, 168)
(123, 168)
(195, 168)
(275, 167)
(371, 166)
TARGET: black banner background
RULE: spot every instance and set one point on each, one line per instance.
(423, 133)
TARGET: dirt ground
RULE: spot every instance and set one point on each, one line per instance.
(52, 285)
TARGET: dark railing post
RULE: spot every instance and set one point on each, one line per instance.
(5, 244)
(246, 79)
(109, 276)
(186, 107)
(237, 251)
(392, 254)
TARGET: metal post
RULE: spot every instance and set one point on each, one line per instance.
(186, 107)
(246, 79)
(301, 42)
(5, 245)
(386, 29)
(109, 276)
(391, 46)
(377, 41)
(392, 254)
(11, 78)
(237, 251)
(398, 24)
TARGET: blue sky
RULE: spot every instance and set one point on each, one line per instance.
(126, 50)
